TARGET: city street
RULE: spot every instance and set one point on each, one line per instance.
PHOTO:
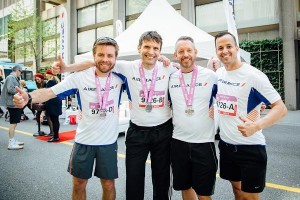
(39, 171)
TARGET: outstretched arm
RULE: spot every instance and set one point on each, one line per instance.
(60, 66)
(38, 96)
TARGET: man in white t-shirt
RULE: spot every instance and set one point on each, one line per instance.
(241, 91)
(193, 155)
(150, 129)
(98, 91)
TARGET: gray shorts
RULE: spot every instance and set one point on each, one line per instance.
(82, 160)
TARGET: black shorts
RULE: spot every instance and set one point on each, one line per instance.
(245, 163)
(194, 165)
(83, 157)
(14, 115)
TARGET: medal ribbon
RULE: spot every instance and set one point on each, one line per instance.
(102, 98)
(189, 96)
(148, 94)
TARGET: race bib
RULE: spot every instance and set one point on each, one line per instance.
(157, 101)
(227, 105)
(94, 108)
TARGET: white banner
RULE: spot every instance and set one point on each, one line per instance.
(119, 27)
(63, 21)
(231, 25)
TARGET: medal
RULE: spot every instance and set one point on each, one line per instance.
(189, 111)
(189, 96)
(102, 114)
(148, 94)
(148, 107)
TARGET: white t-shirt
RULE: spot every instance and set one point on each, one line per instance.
(240, 93)
(161, 111)
(199, 127)
(91, 129)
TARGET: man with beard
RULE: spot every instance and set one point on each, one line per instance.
(150, 129)
(193, 155)
(98, 91)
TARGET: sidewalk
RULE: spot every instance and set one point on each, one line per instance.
(291, 119)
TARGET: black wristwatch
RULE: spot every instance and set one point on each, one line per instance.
(29, 99)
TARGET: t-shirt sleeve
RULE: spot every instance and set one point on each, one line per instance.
(68, 86)
(264, 89)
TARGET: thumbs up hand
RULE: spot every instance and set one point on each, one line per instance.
(248, 128)
(20, 98)
(59, 66)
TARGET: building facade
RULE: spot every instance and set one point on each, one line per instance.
(90, 19)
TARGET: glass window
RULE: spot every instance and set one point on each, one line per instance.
(248, 13)
(86, 16)
(86, 40)
(128, 23)
(107, 31)
(173, 2)
(135, 6)
(19, 37)
(19, 55)
(29, 54)
(105, 11)
(49, 48)
(50, 27)
(2, 28)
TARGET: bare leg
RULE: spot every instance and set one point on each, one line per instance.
(11, 131)
(109, 190)
(240, 195)
(79, 191)
(189, 194)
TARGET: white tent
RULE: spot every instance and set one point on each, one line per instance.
(160, 16)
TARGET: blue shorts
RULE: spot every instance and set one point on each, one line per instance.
(245, 163)
(83, 157)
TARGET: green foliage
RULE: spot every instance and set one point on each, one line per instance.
(267, 56)
(26, 30)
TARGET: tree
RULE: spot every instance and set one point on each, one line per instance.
(29, 35)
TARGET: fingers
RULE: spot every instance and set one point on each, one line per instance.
(19, 101)
(55, 68)
(19, 90)
(244, 119)
(59, 58)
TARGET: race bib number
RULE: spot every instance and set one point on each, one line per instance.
(157, 101)
(227, 105)
(94, 108)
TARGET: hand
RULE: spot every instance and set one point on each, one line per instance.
(166, 61)
(213, 64)
(248, 128)
(21, 98)
(59, 66)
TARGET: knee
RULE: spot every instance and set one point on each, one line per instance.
(79, 184)
(108, 185)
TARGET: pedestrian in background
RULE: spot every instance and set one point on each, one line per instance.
(39, 107)
(53, 108)
(6, 100)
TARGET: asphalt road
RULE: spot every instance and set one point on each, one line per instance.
(39, 171)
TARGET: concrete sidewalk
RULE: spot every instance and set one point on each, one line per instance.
(291, 119)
